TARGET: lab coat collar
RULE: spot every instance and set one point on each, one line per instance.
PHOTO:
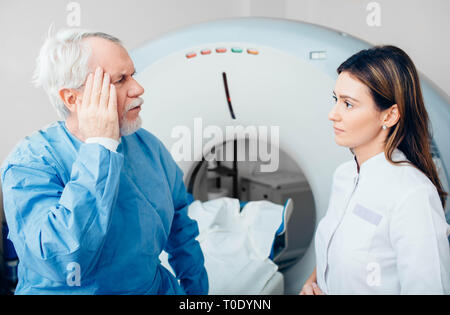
(378, 159)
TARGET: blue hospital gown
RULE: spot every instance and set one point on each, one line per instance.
(86, 220)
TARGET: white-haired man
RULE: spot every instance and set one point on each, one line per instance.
(92, 201)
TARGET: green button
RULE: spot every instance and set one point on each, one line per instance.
(236, 50)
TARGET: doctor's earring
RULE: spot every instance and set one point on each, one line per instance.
(384, 127)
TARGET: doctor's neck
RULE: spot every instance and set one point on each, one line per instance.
(364, 153)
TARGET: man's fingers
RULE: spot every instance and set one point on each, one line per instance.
(112, 102)
(87, 90)
(96, 88)
(104, 98)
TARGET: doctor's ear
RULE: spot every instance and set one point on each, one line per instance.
(69, 97)
(391, 117)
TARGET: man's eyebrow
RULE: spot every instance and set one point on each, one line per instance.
(120, 74)
(346, 96)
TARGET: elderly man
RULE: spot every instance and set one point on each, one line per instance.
(93, 200)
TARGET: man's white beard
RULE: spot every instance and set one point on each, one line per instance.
(129, 127)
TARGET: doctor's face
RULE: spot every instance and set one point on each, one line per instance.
(356, 119)
(114, 59)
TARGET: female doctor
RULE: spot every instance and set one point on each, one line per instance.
(384, 231)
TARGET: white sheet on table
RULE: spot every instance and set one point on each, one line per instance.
(236, 244)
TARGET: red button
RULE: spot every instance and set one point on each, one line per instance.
(205, 52)
(221, 50)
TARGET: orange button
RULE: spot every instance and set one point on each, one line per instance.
(221, 50)
(191, 55)
(252, 51)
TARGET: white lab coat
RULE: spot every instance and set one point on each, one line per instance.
(384, 232)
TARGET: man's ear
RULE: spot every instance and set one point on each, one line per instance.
(392, 116)
(70, 98)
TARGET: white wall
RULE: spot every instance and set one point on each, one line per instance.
(418, 26)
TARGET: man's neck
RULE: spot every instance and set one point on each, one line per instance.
(72, 126)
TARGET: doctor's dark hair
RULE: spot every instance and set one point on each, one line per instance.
(392, 78)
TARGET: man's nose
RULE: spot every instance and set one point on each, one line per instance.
(136, 90)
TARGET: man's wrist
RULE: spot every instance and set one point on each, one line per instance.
(108, 143)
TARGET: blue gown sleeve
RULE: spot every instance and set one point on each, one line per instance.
(53, 225)
(185, 255)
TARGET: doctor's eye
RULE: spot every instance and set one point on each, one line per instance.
(335, 98)
(348, 105)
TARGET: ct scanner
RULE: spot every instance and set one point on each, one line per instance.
(260, 72)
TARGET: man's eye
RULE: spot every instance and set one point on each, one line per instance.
(335, 98)
(121, 80)
(348, 105)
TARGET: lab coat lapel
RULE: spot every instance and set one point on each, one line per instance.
(343, 190)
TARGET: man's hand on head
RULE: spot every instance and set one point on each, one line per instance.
(97, 113)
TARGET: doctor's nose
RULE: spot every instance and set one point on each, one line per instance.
(333, 115)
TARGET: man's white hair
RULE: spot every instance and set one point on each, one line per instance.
(63, 63)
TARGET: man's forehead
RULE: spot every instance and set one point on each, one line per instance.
(112, 57)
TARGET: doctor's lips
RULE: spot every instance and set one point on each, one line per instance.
(337, 129)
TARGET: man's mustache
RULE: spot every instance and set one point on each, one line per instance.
(135, 103)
